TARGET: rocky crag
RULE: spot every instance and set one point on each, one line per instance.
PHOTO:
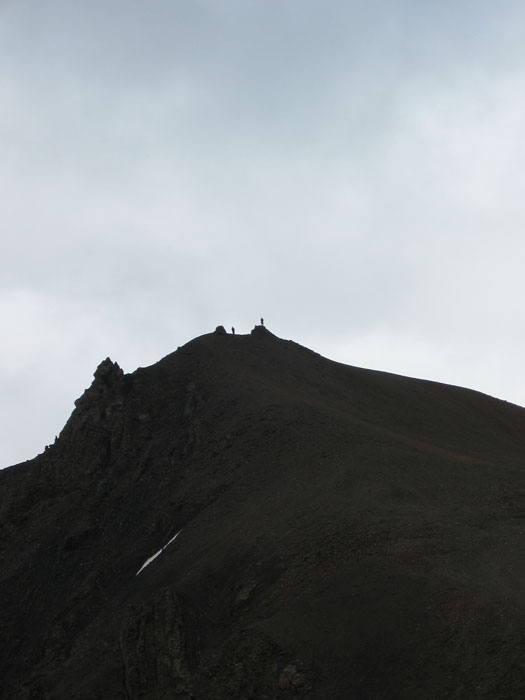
(246, 519)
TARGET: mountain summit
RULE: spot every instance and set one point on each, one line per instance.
(246, 519)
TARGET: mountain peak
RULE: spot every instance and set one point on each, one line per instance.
(302, 529)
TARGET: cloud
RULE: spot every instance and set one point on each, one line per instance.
(349, 171)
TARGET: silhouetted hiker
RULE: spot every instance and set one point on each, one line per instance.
(262, 321)
(233, 330)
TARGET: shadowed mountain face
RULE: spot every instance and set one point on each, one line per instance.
(320, 531)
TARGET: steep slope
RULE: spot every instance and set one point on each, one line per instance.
(333, 533)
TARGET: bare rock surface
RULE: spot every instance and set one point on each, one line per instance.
(246, 519)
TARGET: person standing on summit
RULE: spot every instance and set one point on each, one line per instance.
(262, 321)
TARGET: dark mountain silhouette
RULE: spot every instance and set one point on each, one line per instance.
(321, 531)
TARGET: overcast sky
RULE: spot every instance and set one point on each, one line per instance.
(351, 171)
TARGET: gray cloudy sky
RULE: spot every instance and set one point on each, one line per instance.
(351, 171)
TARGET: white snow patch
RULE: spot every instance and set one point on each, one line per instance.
(148, 561)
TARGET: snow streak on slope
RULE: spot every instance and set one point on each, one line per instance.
(148, 561)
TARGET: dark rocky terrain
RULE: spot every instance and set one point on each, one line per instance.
(344, 534)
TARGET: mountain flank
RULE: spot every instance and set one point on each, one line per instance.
(247, 519)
